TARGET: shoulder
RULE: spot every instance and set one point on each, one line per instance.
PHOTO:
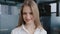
(15, 30)
(43, 31)
(40, 31)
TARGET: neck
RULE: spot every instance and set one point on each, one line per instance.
(30, 25)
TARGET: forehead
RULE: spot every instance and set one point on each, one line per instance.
(27, 9)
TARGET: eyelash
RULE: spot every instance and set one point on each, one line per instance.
(29, 13)
(24, 13)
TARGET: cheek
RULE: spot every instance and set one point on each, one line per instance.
(32, 17)
(23, 16)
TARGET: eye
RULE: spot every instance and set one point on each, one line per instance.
(31, 13)
(24, 13)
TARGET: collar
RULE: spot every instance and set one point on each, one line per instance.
(25, 28)
(37, 29)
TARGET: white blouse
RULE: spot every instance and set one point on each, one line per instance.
(23, 30)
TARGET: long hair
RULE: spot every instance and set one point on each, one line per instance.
(34, 8)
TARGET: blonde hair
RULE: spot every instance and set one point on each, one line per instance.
(34, 9)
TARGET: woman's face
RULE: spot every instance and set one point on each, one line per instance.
(28, 15)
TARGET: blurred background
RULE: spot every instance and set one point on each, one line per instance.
(49, 15)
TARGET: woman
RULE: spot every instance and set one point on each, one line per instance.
(29, 22)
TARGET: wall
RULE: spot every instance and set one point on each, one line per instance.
(8, 21)
(59, 8)
(53, 7)
(38, 1)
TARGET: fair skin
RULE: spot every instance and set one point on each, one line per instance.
(29, 19)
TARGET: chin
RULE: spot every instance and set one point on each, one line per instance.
(28, 21)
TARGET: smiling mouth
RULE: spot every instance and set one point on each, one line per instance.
(27, 19)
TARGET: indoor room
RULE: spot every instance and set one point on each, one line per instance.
(49, 15)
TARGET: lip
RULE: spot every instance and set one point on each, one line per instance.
(27, 19)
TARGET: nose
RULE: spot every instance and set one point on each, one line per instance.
(28, 16)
